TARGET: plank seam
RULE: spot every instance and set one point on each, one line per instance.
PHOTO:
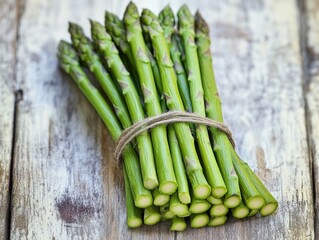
(306, 65)
(18, 96)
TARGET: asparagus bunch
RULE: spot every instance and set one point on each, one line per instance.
(146, 66)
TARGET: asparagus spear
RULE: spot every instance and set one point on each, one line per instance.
(167, 21)
(115, 27)
(199, 205)
(218, 210)
(160, 199)
(166, 213)
(214, 201)
(87, 55)
(178, 224)
(133, 213)
(222, 146)
(250, 194)
(85, 50)
(136, 42)
(176, 207)
(183, 190)
(194, 171)
(240, 211)
(70, 64)
(199, 220)
(152, 215)
(217, 221)
(212, 171)
(271, 203)
(214, 111)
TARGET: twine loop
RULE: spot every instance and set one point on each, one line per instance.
(166, 118)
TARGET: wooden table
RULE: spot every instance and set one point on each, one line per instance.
(58, 178)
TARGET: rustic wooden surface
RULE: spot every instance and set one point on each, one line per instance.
(312, 91)
(65, 183)
(8, 28)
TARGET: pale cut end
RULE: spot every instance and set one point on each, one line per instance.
(184, 197)
(199, 207)
(232, 201)
(150, 183)
(161, 200)
(217, 221)
(134, 222)
(215, 201)
(240, 212)
(179, 209)
(199, 221)
(152, 219)
(168, 187)
(218, 210)
(219, 192)
(168, 215)
(202, 191)
(186, 214)
(179, 227)
(255, 202)
(143, 201)
(268, 209)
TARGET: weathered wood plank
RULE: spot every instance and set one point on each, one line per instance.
(72, 188)
(259, 71)
(66, 183)
(8, 26)
(312, 13)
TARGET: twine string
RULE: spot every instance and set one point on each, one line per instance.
(166, 118)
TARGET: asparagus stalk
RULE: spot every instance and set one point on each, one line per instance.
(133, 213)
(156, 72)
(183, 190)
(214, 111)
(160, 199)
(199, 205)
(194, 171)
(115, 27)
(250, 194)
(167, 21)
(199, 220)
(218, 210)
(163, 158)
(176, 207)
(178, 224)
(152, 215)
(222, 146)
(85, 50)
(214, 201)
(70, 64)
(217, 221)
(166, 213)
(271, 203)
(212, 171)
(240, 211)
(108, 50)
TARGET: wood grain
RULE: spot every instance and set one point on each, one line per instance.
(312, 88)
(257, 63)
(66, 182)
(8, 26)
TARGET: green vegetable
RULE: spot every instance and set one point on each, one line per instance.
(69, 62)
(173, 100)
(163, 160)
(109, 52)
